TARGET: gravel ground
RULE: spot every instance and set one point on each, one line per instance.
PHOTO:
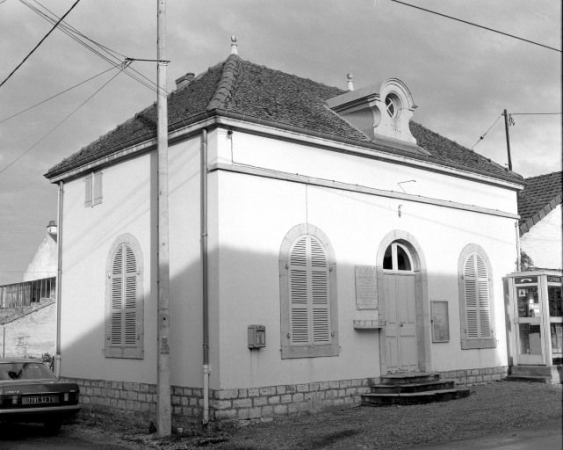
(491, 408)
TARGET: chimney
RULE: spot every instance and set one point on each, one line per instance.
(52, 228)
(184, 80)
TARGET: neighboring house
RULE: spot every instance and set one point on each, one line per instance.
(28, 318)
(539, 206)
(343, 242)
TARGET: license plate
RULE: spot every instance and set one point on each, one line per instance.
(40, 400)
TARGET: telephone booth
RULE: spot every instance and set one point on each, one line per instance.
(535, 328)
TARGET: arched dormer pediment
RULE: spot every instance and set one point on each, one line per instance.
(379, 111)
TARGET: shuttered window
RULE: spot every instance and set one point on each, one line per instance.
(308, 303)
(476, 300)
(124, 316)
(93, 189)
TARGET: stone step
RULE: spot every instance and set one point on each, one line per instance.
(537, 374)
(440, 395)
(532, 379)
(409, 378)
(534, 371)
(411, 387)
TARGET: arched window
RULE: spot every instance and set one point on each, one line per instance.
(398, 257)
(308, 295)
(475, 287)
(124, 301)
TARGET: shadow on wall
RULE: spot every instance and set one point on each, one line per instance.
(127, 386)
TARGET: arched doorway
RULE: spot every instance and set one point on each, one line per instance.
(404, 342)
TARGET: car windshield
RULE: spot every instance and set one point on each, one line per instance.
(24, 371)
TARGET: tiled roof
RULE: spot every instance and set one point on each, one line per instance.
(258, 94)
(541, 195)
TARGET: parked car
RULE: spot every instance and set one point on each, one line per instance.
(30, 392)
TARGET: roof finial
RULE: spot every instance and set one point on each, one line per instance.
(234, 45)
(350, 85)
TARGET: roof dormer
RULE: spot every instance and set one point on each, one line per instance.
(378, 113)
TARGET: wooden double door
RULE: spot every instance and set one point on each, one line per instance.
(400, 330)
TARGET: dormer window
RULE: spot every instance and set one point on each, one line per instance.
(380, 112)
(392, 106)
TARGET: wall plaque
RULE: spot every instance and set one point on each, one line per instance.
(440, 321)
(366, 287)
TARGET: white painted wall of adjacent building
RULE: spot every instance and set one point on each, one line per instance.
(44, 262)
(543, 243)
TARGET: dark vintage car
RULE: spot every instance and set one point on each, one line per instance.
(30, 392)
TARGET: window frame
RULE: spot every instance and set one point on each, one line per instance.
(123, 350)
(290, 350)
(481, 341)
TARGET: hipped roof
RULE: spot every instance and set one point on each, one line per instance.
(258, 94)
(541, 195)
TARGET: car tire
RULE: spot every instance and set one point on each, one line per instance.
(53, 426)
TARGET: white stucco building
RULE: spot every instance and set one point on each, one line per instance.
(539, 206)
(343, 242)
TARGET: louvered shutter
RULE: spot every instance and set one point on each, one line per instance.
(124, 298)
(97, 191)
(130, 298)
(319, 288)
(309, 293)
(483, 298)
(477, 308)
(88, 190)
(299, 293)
(116, 319)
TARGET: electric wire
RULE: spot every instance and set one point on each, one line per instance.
(54, 96)
(124, 66)
(485, 133)
(536, 114)
(478, 26)
(40, 42)
(110, 56)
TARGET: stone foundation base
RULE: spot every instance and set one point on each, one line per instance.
(475, 376)
(136, 403)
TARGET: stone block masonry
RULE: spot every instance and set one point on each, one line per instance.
(135, 403)
(475, 376)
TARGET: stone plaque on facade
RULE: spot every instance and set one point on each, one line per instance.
(440, 321)
(366, 287)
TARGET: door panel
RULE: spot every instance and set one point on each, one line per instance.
(402, 354)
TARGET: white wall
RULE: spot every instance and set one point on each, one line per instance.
(44, 262)
(255, 214)
(245, 149)
(129, 206)
(87, 236)
(543, 242)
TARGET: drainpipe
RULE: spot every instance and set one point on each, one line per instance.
(205, 275)
(59, 277)
(518, 249)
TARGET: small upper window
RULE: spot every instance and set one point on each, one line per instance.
(93, 189)
(392, 105)
(397, 257)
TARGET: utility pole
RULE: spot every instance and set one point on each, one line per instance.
(506, 125)
(164, 413)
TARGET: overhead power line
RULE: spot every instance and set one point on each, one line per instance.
(478, 26)
(124, 66)
(40, 42)
(111, 56)
(54, 96)
(485, 133)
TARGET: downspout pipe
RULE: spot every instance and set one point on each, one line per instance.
(57, 362)
(205, 274)
(518, 247)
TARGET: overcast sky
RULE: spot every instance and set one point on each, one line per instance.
(461, 77)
